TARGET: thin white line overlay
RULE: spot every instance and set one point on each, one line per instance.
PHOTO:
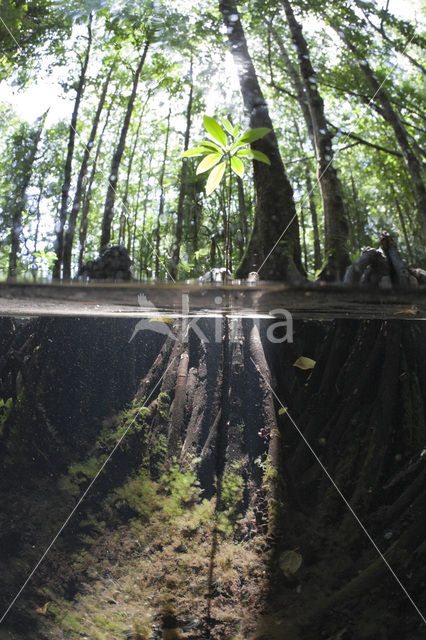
(82, 497)
(318, 179)
(342, 497)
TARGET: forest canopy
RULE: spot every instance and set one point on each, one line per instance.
(100, 100)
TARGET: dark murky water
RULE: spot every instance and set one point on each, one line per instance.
(158, 483)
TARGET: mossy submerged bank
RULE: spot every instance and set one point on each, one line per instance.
(310, 569)
(142, 559)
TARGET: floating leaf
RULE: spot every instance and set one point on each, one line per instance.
(237, 166)
(215, 130)
(290, 562)
(168, 320)
(42, 610)
(304, 363)
(282, 411)
(195, 151)
(215, 177)
(411, 311)
(208, 162)
(254, 134)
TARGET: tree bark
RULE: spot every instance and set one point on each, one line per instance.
(125, 209)
(182, 184)
(335, 217)
(69, 234)
(414, 167)
(66, 186)
(302, 97)
(84, 222)
(274, 246)
(242, 218)
(161, 204)
(19, 202)
(116, 159)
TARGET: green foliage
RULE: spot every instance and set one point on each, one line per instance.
(80, 473)
(226, 148)
(139, 495)
(182, 487)
(232, 492)
(163, 404)
(157, 455)
(186, 52)
(6, 407)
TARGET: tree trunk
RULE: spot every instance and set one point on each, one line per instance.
(19, 202)
(78, 196)
(242, 219)
(116, 159)
(403, 226)
(414, 167)
(312, 206)
(314, 218)
(161, 204)
(335, 218)
(302, 97)
(174, 265)
(66, 186)
(125, 208)
(274, 246)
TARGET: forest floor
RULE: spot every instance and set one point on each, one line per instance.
(150, 555)
(153, 577)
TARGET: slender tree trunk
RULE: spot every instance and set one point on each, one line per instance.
(116, 159)
(69, 234)
(182, 184)
(314, 218)
(84, 222)
(20, 202)
(274, 246)
(400, 45)
(304, 247)
(161, 205)
(357, 208)
(59, 242)
(302, 97)
(242, 218)
(311, 198)
(335, 218)
(403, 227)
(136, 206)
(414, 167)
(125, 205)
(34, 268)
(142, 254)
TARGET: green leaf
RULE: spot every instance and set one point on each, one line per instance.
(228, 126)
(215, 130)
(237, 166)
(208, 162)
(236, 130)
(254, 155)
(215, 177)
(237, 144)
(211, 146)
(254, 134)
(195, 151)
(304, 363)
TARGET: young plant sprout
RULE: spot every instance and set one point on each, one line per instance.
(226, 147)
